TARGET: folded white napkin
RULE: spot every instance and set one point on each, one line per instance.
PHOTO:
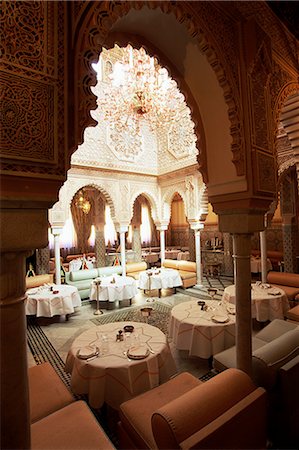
(273, 291)
(87, 352)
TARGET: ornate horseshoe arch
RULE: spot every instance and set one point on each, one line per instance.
(152, 201)
(95, 30)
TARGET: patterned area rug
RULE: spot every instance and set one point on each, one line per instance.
(159, 316)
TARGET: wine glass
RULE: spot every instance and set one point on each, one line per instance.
(212, 292)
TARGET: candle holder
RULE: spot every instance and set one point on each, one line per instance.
(146, 312)
(98, 284)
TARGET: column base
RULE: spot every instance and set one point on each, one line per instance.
(198, 286)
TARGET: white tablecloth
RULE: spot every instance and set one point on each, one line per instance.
(111, 377)
(76, 264)
(160, 279)
(183, 256)
(256, 264)
(171, 254)
(44, 303)
(264, 305)
(193, 329)
(124, 288)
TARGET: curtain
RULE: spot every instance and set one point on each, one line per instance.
(82, 224)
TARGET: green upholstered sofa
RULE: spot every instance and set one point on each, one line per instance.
(82, 279)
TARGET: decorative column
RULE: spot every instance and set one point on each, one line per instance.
(99, 223)
(136, 242)
(227, 257)
(18, 239)
(42, 260)
(56, 231)
(263, 246)
(191, 242)
(197, 226)
(162, 229)
(242, 248)
(289, 211)
(100, 248)
(122, 236)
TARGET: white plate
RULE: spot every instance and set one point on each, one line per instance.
(87, 352)
(220, 318)
(140, 352)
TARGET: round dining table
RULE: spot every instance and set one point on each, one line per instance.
(113, 287)
(160, 278)
(53, 300)
(113, 377)
(268, 302)
(202, 333)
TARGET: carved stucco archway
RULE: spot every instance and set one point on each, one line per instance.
(98, 21)
(60, 212)
(167, 198)
(152, 199)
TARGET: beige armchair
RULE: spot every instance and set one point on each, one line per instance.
(228, 411)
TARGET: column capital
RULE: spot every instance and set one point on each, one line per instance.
(162, 226)
(122, 228)
(195, 225)
(56, 231)
(242, 222)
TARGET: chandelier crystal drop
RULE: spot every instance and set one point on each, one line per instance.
(138, 90)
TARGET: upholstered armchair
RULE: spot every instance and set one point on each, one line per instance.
(227, 411)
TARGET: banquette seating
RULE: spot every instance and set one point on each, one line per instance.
(134, 269)
(58, 422)
(38, 280)
(187, 270)
(289, 282)
(227, 412)
(82, 279)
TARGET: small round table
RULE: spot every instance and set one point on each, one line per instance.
(193, 329)
(268, 303)
(49, 301)
(112, 377)
(114, 287)
(163, 278)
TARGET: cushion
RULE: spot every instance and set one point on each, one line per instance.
(170, 263)
(186, 275)
(136, 267)
(139, 410)
(283, 278)
(290, 291)
(38, 280)
(47, 392)
(268, 359)
(293, 314)
(80, 275)
(228, 358)
(173, 422)
(111, 270)
(187, 266)
(73, 427)
(275, 329)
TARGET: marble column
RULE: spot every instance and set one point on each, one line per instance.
(56, 231)
(122, 236)
(197, 227)
(242, 254)
(263, 246)
(136, 242)
(100, 248)
(162, 229)
(227, 257)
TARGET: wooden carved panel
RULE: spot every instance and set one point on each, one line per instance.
(26, 121)
(265, 179)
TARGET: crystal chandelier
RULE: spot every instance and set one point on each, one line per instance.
(83, 203)
(138, 90)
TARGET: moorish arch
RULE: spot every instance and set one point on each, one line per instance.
(167, 200)
(59, 213)
(153, 202)
(95, 32)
